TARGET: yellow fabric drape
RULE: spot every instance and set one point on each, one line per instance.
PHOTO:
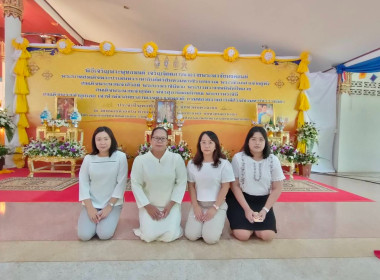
(304, 82)
(302, 105)
(21, 90)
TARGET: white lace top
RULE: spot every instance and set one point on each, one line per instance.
(256, 177)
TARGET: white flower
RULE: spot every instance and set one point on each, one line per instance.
(149, 49)
(19, 40)
(268, 56)
(62, 44)
(191, 49)
(107, 46)
(231, 52)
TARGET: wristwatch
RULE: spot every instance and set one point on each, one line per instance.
(111, 204)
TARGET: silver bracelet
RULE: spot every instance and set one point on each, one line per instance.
(266, 209)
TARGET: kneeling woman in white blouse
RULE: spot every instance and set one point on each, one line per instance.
(158, 183)
(209, 177)
(258, 185)
(102, 183)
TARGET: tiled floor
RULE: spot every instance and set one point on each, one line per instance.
(315, 241)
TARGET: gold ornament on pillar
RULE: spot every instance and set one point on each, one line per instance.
(13, 8)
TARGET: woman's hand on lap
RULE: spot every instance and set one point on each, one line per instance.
(198, 213)
(93, 214)
(210, 214)
(153, 212)
(249, 215)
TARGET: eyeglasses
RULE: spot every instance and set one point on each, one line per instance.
(160, 139)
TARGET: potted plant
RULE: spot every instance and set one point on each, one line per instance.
(3, 152)
(305, 161)
(308, 135)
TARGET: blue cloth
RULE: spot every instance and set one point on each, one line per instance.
(369, 66)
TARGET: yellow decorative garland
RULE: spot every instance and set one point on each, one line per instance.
(107, 48)
(21, 88)
(230, 54)
(65, 46)
(190, 52)
(150, 49)
(268, 56)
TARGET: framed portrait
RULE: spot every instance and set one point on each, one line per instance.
(165, 109)
(64, 106)
(265, 113)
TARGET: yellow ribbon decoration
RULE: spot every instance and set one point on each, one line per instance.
(150, 49)
(65, 46)
(233, 57)
(301, 105)
(188, 55)
(109, 52)
(268, 56)
(21, 88)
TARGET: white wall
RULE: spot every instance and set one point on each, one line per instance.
(358, 148)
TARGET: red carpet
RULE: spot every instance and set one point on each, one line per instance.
(71, 194)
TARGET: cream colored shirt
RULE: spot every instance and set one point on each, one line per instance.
(158, 181)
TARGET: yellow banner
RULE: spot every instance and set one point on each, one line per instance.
(118, 91)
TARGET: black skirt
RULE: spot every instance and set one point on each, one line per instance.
(236, 215)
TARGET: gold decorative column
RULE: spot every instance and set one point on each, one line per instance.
(13, 8)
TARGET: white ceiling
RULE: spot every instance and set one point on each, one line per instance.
(333, 31)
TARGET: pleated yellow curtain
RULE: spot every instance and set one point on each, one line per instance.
(21, 88)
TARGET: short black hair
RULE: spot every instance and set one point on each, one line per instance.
(216, 156)
(107, 130)
(253, 130)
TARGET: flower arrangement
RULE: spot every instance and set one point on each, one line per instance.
(268, 56)
(285, 151)
(182, 149)
(107, 48)
(7, 124)
(54, 148)
(226, 152)
(271, 127)
(189, 52)
(306, 158)
(3, 151)
(143, 149)
(65, 46)
(307, 134)
(58, 123)
(167, 126)
(230, 54)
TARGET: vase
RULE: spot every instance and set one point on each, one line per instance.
(305, 170)
(2, 162)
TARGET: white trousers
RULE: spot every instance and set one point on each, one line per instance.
(211, 230)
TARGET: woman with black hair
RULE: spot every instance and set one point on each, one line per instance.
(102, 183)
(258, 185)
(209, 176)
